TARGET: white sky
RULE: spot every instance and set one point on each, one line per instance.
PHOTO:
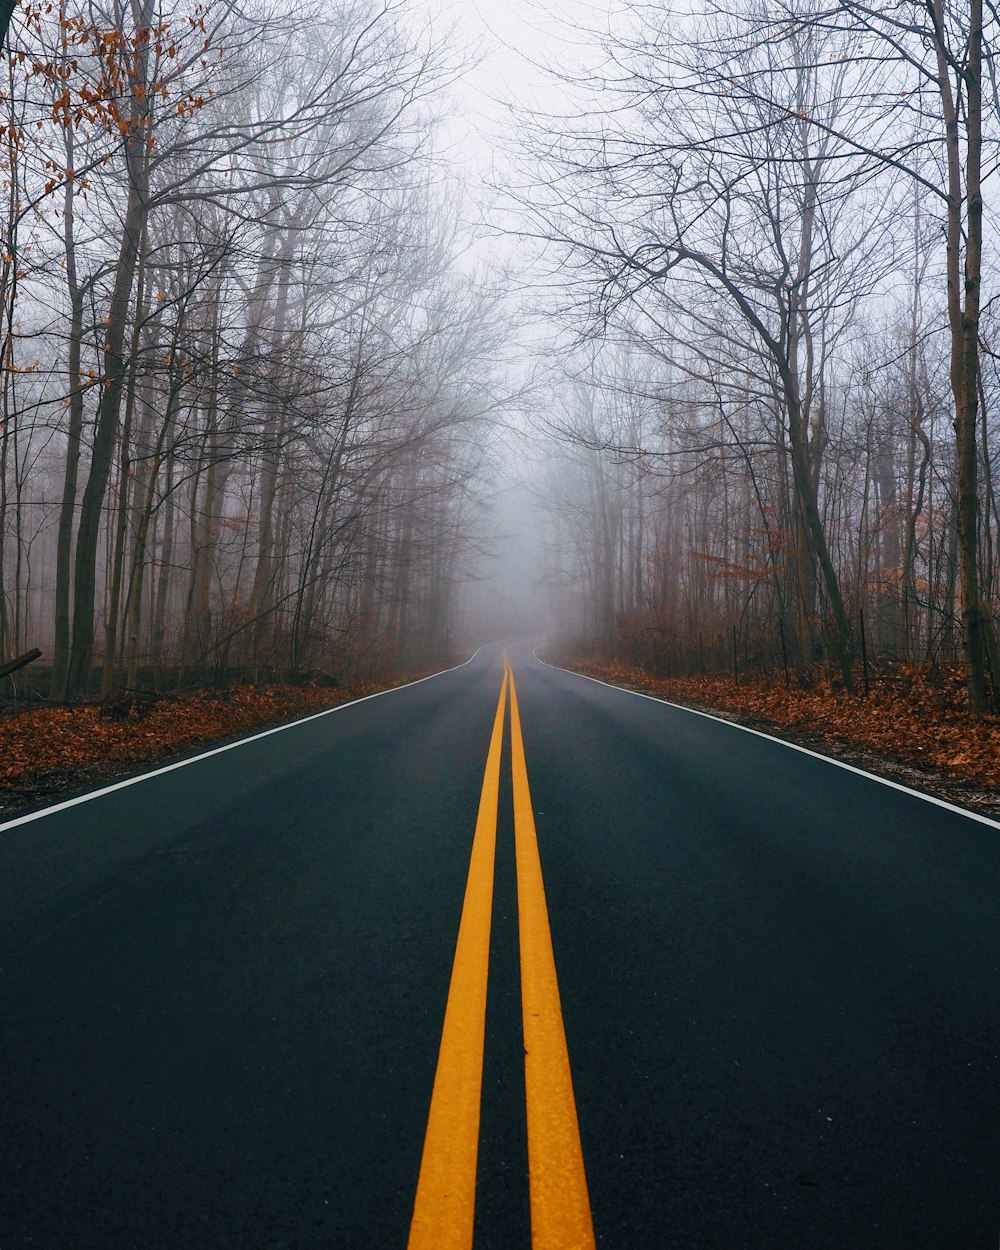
(509, 41)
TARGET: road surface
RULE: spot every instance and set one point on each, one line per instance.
(224, 991)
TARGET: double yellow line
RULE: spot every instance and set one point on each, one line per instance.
(446, 1190)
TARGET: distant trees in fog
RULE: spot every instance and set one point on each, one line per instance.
(244, 386)
(771, 215)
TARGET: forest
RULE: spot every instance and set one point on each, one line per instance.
(254, 393)
(780, 413)
(246, 386)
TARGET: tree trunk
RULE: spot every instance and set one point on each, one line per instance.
(112, 384)
(67, 508)
(166, 566)
(963, 317)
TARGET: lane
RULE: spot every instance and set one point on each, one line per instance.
(779, 983)
(223, 989)
(154, 810)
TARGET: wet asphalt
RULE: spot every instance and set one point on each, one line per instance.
(223, 987)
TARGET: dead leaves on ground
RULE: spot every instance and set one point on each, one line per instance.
(909, 715)
(59, 739)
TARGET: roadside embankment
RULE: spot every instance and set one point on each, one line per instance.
(50, 753)
(913, 726)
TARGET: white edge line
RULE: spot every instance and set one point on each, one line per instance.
(792, 746)
(229, 746)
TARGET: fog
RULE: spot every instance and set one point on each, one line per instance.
(510, 594)
(343, 342)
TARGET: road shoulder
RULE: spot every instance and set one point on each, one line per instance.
(924, 776)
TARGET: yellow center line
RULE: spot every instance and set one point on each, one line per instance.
(446, 1190)
(560, 1204)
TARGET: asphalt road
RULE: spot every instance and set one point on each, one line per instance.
(223, 988)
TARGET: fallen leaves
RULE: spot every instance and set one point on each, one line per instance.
(47, 741)
(911, 715)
